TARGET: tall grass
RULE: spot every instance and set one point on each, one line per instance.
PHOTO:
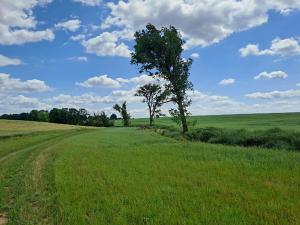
(274, 138)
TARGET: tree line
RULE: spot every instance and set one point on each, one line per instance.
(65, 116)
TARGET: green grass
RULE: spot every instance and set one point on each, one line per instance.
(129, 176)
(250, 121)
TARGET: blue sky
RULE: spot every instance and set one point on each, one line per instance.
(76, 53)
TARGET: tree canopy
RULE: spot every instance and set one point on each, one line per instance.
(154, 97)
(123, 111)
(159, 52)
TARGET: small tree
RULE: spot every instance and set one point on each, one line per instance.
(158, 52)
(123, 111)
(113, 117)
(154, 97)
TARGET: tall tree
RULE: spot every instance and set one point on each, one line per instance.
(123, 111)
(154, 97)
(158, 52)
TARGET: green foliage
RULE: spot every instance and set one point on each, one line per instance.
(100, 120)
(113, 117)
(123, 111)
(274, 138)
(159, 53)
(154, 96)
(69, 116)
(34, 115)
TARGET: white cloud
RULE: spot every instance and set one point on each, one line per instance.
(274, 94)
(273, 75)
(20, 103)
(71, 25)
(23, 101)
(8, 84)
(201, 22)
(195, 55)
(106, 44)
(6, 61)
(106, 81)
(89, 2)
(100, 81)
(280, 47)
(228, 81)
(64, 100)
(126, 95)
(79, 58)
(298, 85)
(203, 103)
(140, 80)
(18, 24)
(78, 37)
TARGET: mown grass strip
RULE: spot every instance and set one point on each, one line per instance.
(26, 196)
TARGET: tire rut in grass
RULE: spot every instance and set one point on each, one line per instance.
(29, 184)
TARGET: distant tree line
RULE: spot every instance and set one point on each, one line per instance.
(65, 116)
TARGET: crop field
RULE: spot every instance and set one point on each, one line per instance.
(8, 127)
(71, 175)
(247, 121)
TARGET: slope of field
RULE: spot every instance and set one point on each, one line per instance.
(247, 121)
(10, 127)
(128, 176)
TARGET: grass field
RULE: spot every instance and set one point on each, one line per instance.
(250, 121)
(10, 127)
(76, 176)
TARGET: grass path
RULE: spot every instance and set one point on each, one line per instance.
(27, 192)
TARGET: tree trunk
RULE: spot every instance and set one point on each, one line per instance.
(151, 120)
(150, 115)
(182, 117)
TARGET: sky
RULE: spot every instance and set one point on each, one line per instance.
(76, 53)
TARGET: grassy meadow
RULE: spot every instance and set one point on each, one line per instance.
(60, 174)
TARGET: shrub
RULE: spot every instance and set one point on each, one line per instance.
(275, 138)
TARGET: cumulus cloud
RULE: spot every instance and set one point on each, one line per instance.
(20, 103)
(228, 81)
(203, 103)
(78, 37)
(8, 84)
(280, 47)
(272, 75)
(6, 61)
(100, 81)
(274, 94)
(71, 25)
(77, 100)
(106, 81)
(140, 80)
(89, 2)
(107, 44)
(201, 22)
(18, 24)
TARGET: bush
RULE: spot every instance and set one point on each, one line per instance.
(275, 138)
